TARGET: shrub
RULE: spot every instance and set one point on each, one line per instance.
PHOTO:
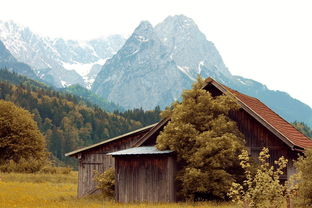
(303, 178)
(262, 189)
(22, 166)
(106, 183)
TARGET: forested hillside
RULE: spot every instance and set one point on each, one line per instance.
(67, 121)
(92, 98)
(145, 117)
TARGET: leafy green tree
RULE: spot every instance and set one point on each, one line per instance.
(19, 135)
(207, 143)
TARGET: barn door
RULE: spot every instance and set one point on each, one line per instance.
(96, 162)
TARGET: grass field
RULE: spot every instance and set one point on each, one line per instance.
(59, 191)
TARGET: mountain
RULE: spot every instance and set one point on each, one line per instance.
(157, 63)
(142, 73)
(57, 61)
(9, 62)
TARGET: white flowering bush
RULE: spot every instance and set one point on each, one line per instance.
(261, 188)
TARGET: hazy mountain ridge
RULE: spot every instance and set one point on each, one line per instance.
(57, 61)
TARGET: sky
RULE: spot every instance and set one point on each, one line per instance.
(269, 41)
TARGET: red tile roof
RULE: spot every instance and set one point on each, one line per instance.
(272, 119)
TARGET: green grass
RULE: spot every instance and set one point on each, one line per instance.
(59, 191)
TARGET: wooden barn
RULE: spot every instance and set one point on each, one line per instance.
(144, 173)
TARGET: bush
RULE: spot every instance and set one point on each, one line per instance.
(262, 189)
(303, 179)
(32, 166)
(106, 183)
(22, 166)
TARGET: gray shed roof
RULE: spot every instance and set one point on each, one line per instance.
(150, 150)
(109, 140)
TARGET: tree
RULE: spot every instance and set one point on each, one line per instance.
(19, 135)
(206, 140)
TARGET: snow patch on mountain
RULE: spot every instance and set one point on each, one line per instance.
(64, 84)
(185, 70)
(81, 68)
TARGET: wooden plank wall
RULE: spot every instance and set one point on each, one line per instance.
(257, 137)
(145, 178)
(96, 159)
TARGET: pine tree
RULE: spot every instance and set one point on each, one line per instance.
(206, 140)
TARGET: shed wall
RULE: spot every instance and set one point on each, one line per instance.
(145, 178)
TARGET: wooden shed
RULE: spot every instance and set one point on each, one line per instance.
(95, 158)
(145, 174)
(261, 126)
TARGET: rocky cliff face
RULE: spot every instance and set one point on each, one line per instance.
(142, 73)
(156, 64)
(190, 49)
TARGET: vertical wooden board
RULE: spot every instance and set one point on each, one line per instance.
(80, 180)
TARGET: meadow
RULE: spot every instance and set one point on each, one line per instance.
(59, 191)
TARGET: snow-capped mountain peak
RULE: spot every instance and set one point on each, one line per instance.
(68, 61)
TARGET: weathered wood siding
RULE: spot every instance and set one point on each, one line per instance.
(145, 178)
(257, 136)
(96, 159)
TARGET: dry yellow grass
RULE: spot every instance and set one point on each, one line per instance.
(59, 191)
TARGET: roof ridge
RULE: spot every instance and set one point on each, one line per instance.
(109, 140)
(290, 125)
